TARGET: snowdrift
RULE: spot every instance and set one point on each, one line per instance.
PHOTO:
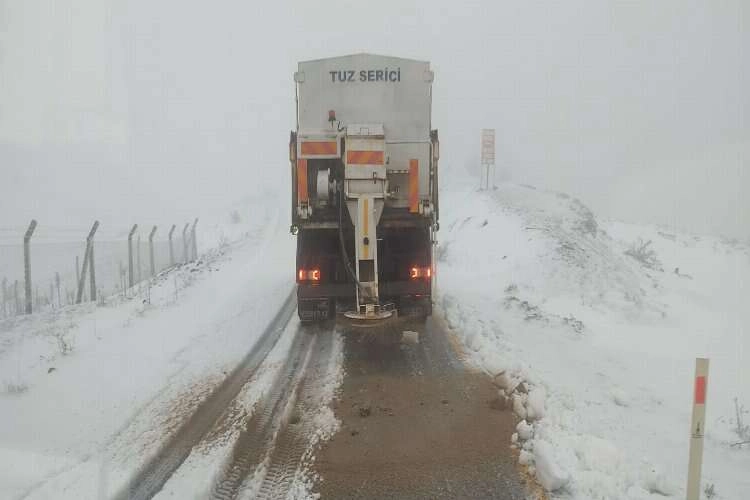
(590, 329)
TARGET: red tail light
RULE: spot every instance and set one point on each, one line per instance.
(420, 272)
(308, 275)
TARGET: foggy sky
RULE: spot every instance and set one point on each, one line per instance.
(131, 110)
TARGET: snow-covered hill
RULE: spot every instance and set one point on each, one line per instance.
(601, 321)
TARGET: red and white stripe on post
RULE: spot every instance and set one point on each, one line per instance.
(697, 429)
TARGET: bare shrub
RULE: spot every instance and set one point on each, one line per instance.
(643, 253)
(586, 223)
(15, 387)
(223, 241)
(64, 343)
(235, 217)
(742, 429)
(574, 323)
(709, 491)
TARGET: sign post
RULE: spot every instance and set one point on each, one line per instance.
(488, 157)
(697, 429)
(27, 264)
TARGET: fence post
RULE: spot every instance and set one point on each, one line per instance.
(151, 251)
(57, 283)
(5, 297)
(88, 266)
(16, 300)
(171, 250)
(27, 263)
(130, 255)
(192, 237)
(697, 429)
(138, 258)
(92, 275)
(185, 243)
(82, 277)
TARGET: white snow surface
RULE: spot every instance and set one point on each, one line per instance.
(595, 348)
(88, 394)
(206, 462)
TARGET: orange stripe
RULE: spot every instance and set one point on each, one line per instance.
(302, 180)
(364, 157)
(413, 186)
(319, 148)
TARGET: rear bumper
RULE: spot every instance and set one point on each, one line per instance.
(387, 290)
(316, 302)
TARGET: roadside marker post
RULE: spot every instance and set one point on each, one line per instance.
(697, 429)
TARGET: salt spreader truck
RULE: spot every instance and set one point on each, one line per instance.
(364, 161)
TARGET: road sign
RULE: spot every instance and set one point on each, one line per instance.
(488, 146)
(488, 157)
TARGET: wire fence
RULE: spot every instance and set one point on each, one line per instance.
(45, 268)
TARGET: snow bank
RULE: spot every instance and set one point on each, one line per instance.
(88, 394)
(548, 471)
(593, 345)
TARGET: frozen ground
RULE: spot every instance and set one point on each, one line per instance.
(590, 329)
(595, 347)
(87, 393)
(209, 462)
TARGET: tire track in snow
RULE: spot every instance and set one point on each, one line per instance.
(152, 476)
(268, 453)
(293, 447)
